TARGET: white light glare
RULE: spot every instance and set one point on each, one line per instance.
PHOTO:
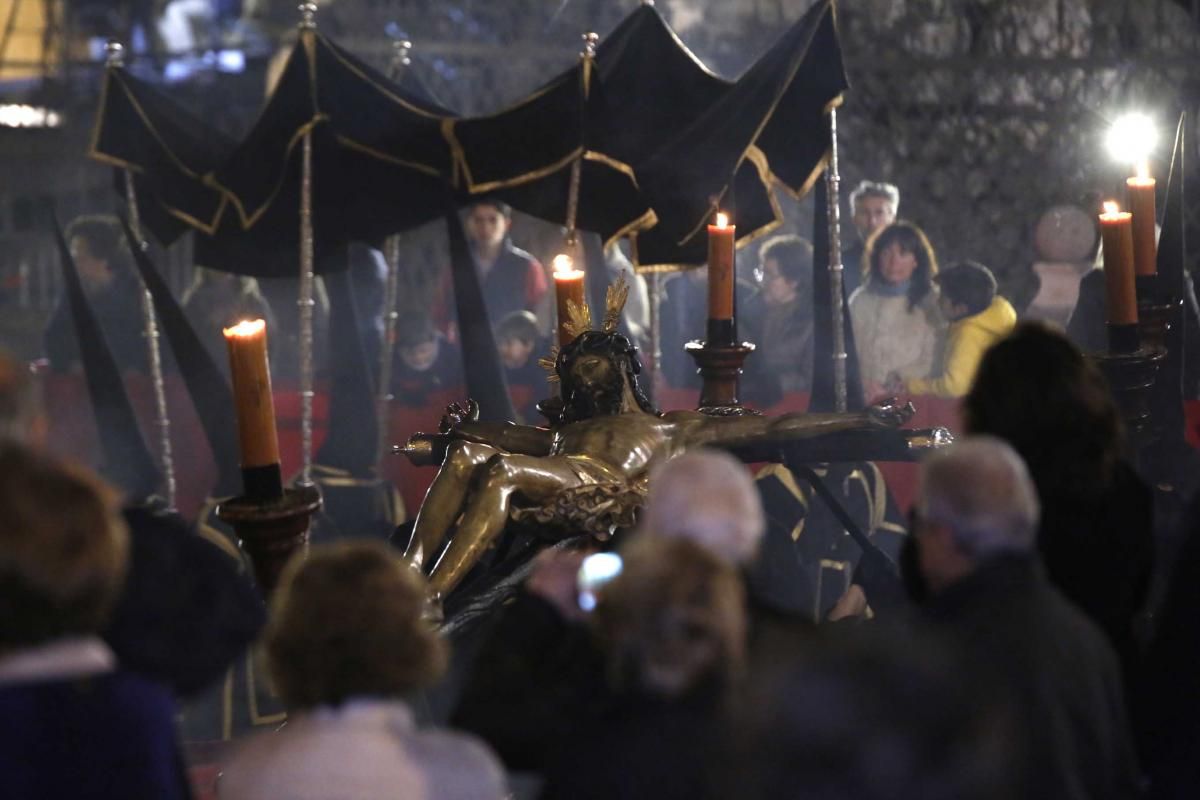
(13, 115)
(1132, 138)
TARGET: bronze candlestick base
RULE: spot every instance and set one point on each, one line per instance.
(1131, 377)
(720, 366)
(271, 531)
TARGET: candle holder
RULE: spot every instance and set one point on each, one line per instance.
(1155, 312)
(719, 366)
(1131, 376)
(271, 531)
(1123, 339)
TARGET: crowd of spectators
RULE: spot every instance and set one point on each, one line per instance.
(1005, 656)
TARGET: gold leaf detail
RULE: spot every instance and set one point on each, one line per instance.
(614, 303)
(579, 318)
(549, 362)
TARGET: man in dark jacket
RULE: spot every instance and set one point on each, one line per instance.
(102, 256)
(975, 533)
(511, 279)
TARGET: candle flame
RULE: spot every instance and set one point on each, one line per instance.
(245, 329)
(1143, 170)
(1111, 207)
(563, 263)
(722, 219)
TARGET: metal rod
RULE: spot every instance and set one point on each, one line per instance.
(656, 329)
(383, 392)
(305, 304)
(586, 57)
(833, 182)
(391, 252)
(308, 22)
(153, 352)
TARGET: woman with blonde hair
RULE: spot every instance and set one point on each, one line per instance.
(897, 325)
(345, 643)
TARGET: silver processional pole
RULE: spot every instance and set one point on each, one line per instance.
(115, 58)
(391, 252)
(833, 204)
(308, 23)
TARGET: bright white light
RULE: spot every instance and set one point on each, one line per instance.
(22, 116)
(1132, 138)
(596, 570)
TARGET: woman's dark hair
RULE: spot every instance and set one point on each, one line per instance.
(1035, 390)
(105, 240)
(911, 240)
(617, 348)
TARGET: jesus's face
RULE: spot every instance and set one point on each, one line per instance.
(598, 384)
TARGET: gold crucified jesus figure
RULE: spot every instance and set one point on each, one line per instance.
(608, 434)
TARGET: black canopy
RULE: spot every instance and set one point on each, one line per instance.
(171, 153)
(378, 157)
(767, 128)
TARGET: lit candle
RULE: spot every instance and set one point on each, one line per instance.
(247, 342)
(568, 285)
(720, 268)
(1141, 205)
(1116, 228)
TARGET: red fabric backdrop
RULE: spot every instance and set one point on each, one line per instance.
(73, 431)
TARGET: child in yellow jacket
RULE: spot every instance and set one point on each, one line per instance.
(978, 318)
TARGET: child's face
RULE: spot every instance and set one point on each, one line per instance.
(951, 310)
(514, 352)
(420, 357)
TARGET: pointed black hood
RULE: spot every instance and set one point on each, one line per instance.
(206, 384)
(127, 460)
(486, 383)
(353, 431)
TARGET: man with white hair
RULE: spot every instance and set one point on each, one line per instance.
(709, 497)
(873, 206)
(974, 531)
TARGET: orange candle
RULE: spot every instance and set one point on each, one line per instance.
(1141, 205)
(1116, 229)
(568, 285)
(247, 342)
(720, 268)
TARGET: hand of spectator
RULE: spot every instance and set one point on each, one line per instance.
(851, 604)
(554, 579)
(874, 392)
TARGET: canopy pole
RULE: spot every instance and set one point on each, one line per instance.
(114, 58)
(833, 182)
(590, 40)
(656, 330)
(383, 392)
(308, 22)
(391, 252)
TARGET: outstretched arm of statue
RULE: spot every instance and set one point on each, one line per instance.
(729, 431)
(523, 439)
(462, 424)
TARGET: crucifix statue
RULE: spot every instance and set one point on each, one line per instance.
(604, 437)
